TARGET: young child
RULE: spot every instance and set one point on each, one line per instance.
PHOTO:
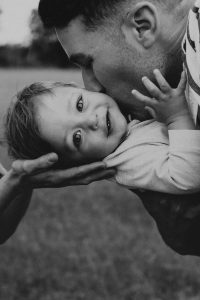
(162, 154)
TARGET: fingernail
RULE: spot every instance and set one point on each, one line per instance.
(112, 171)
(53, 157)
(101, 165)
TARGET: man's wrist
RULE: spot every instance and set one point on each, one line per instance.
(16, 181)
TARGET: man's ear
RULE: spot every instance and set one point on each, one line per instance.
(141, 24)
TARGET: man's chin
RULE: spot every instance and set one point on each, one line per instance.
(142, 115)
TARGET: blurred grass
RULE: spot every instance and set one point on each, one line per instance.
(95, 242)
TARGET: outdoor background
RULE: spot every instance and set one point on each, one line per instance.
(79, 243)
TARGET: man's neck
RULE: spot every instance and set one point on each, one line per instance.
(177, 31)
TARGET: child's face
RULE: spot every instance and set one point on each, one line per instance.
(82, 126)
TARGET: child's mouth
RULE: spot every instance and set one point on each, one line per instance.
(108, 122)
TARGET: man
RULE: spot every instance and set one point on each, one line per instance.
(116, 42)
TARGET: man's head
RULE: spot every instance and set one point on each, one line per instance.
(116, 42)
(81, 126)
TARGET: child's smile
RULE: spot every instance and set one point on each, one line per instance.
(81, 126)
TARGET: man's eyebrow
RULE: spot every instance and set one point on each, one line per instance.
(81, 59)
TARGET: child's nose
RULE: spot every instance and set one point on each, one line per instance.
(92, 122)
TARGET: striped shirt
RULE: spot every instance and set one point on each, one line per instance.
(191, 59)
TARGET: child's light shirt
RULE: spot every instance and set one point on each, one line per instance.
(153, 158)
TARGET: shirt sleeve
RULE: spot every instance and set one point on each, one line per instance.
(170, 168)
(184, 159)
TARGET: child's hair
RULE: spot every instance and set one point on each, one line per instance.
(21, 129)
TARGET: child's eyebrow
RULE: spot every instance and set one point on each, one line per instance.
(70, 103)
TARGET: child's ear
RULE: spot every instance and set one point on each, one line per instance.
(140, 24)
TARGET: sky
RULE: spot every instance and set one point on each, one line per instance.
(14, 20)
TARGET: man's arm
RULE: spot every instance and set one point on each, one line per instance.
(16, 186)
(13, 203)
(177, 218)
(11, 217)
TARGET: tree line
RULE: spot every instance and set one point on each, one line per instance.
(43, 51)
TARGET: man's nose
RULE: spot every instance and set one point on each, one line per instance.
(90, 81)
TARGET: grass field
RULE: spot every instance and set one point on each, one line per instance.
(88, 243)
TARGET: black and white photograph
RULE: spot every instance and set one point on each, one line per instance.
(99, 149)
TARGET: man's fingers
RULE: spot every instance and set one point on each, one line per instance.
(97, 176)
(61, 179)
(73, 176)
(85, 169)
(163, 84)
(28, 167)
(40, 174)
(105, 174)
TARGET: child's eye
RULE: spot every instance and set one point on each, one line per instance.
(77, 138)
(79, 104)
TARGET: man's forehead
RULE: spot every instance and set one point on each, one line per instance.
(77, 40)
(75, 29)
(74, 41)
(80, 48)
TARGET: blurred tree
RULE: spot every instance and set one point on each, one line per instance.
(43, 51)
(44, 47)
(12, 55)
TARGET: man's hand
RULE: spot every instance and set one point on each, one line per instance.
(38, 173)
(16, 185)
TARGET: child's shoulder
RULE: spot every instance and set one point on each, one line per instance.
(136, 124)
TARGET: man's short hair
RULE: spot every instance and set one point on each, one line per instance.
(59, 13)
(21, 127)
